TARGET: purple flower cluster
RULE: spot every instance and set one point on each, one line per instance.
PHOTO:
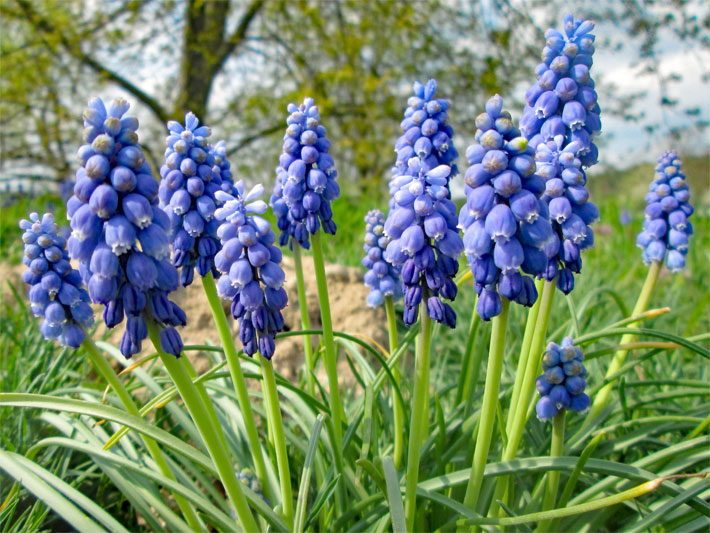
(191, 176)
(668, 208)
(562, 385)
(425, 243)
(561, 120)
(381, 277)
(426, 132)
(222, 169)
(305, 178)
(505, 224)
(120, 235)
(55, 287)
(563, 100)
(248, 259)
(571, 213)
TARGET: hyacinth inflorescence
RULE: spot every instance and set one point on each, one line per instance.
(562, 385)
(425, 132)
(561, 120)
(666, 227)
(56, 291)
(193, 172)
(305, 178)
(563, 100)
(382, 278)
(505, 224)
(425, 243)
(571, 213)
(248, 259)
(120, 235)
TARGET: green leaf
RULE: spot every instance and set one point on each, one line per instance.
(394, 496)
(613, 332)
(374, 472)
(13, 465)
(322, 497)
(657, 515)
(304, 486)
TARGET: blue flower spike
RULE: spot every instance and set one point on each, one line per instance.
(562, 385)
(666, 227)
(56, 291)
(382, 278)
(561, 121)
(306, 179)
(193, 172)
(251, 266)
(563, 100)
(505, 223)
(424, 241)
(119, 233)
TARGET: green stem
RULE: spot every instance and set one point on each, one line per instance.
(210, 435)
(602, 397)
(271, 399)
(553, 476)
(106, 371)
(467, 366)
(419, 416)
(331, 365)
(398, 407)
(524, 352)
(519, 414)
(238, 381)
(488, 408)
(305, 320)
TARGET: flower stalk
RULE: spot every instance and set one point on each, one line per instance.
(602, 397)
(420, 402)
(553, 476)
(238, 381)
(524, 353)
(519, 414)
(305, 320)
(212, 436)
(331, 362)
(488, 409)
(398, 407)
(276, 429)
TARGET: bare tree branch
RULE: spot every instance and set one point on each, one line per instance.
(239, 34)
(42, 25)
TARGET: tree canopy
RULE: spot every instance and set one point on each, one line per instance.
(237, 64)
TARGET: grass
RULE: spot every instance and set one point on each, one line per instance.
(655, 426)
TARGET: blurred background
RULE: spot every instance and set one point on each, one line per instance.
(236, 64)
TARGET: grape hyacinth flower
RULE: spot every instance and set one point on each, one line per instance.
(191, 176)
(562, 385)
(666, 227)
(382, 278)
(570, 211)
(425, 133)
(120, 235)
(563, 100)
(56, 291)
(248, 259)
(305, 178)
(222, 167)
(425, 243)
(505, 224)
